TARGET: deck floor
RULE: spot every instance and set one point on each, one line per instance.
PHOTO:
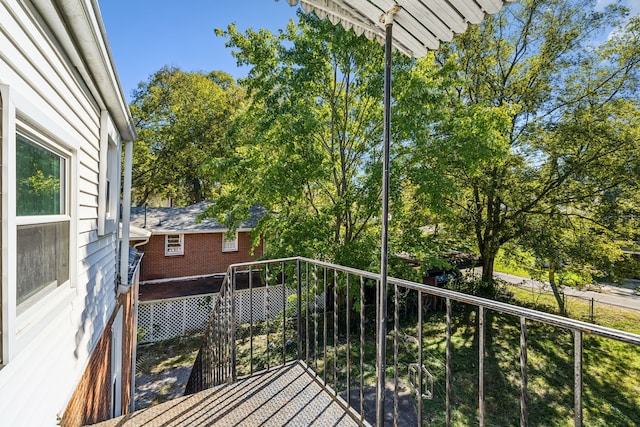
(285, 397)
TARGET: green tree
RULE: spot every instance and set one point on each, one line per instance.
(309, 141)
(182, 119)
(540, 127)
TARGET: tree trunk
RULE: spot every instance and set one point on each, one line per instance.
(556, 291)
(487, 267)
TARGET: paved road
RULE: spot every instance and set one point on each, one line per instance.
(607, 294)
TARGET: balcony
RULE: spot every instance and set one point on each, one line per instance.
(300, 348)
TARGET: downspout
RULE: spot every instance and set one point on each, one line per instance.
(134, 338)
(126, 214)
(124, 260)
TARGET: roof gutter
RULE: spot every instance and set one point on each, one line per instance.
(78, 26)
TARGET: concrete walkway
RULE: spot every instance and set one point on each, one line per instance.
(624, 297)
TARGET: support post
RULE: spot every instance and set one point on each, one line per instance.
(381, 323)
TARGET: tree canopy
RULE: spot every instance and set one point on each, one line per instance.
(182, 119)
(521, 134)
(538, 135)
(309, 142)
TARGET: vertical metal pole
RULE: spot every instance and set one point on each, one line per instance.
(299, 320)
(577, 368)
(284, 315)
(481, 405)
(251, 308)
(234, 373)
(524, 412)
(335, 331)
(420, 358)
(448, 366)
(382, 287)
(348, 342)
(326, 294)
(306, 314)
(266, 312)
(362, 331)
(396, 326)
(315, 317)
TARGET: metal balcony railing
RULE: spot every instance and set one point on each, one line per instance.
(326, 317)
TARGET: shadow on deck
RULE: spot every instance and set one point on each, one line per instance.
(288, 396)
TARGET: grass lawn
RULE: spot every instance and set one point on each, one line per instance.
(163, 368)
(611, 384)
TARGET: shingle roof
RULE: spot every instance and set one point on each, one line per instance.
(183, 220)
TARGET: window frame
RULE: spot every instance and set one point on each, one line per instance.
(108, 177)
(234, 241)
(32, 302)
(23, 113)
(168, 251)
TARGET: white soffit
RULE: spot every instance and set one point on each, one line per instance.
(418, 26)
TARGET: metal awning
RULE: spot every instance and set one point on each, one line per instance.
(419, 25)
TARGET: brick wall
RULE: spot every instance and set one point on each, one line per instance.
(91, 401)
(202, 255)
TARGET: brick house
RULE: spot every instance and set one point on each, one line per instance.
(67, 298)
(180, 246)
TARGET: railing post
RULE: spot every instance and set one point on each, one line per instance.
(396, 325)
(481, 405)
(448, 366)
(251, 297)
(266, 313)
(325, 330)
(284, 314)
(335, 330)
(306, 314)
(299, 290)
(362, 332)
(234, 373)
(577, 368)
(315, 318)
(524, 412)
(348, 292)
(420, 357)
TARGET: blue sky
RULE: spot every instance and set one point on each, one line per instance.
(146, 35)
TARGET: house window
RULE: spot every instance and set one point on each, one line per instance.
(109, 178)
(229, 244)
(174, 244)
(42, 221)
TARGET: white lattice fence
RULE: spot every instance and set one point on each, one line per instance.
(163, 319)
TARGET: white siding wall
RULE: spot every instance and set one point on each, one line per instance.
(48, 348)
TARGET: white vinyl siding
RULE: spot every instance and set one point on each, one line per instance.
(48, 94)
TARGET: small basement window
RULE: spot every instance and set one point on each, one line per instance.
(229, 245)
(174, 244)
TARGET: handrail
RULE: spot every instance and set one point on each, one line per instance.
(312, 321)
(528, 313)
(207, 373)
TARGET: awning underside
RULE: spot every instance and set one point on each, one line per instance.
(419, 26)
